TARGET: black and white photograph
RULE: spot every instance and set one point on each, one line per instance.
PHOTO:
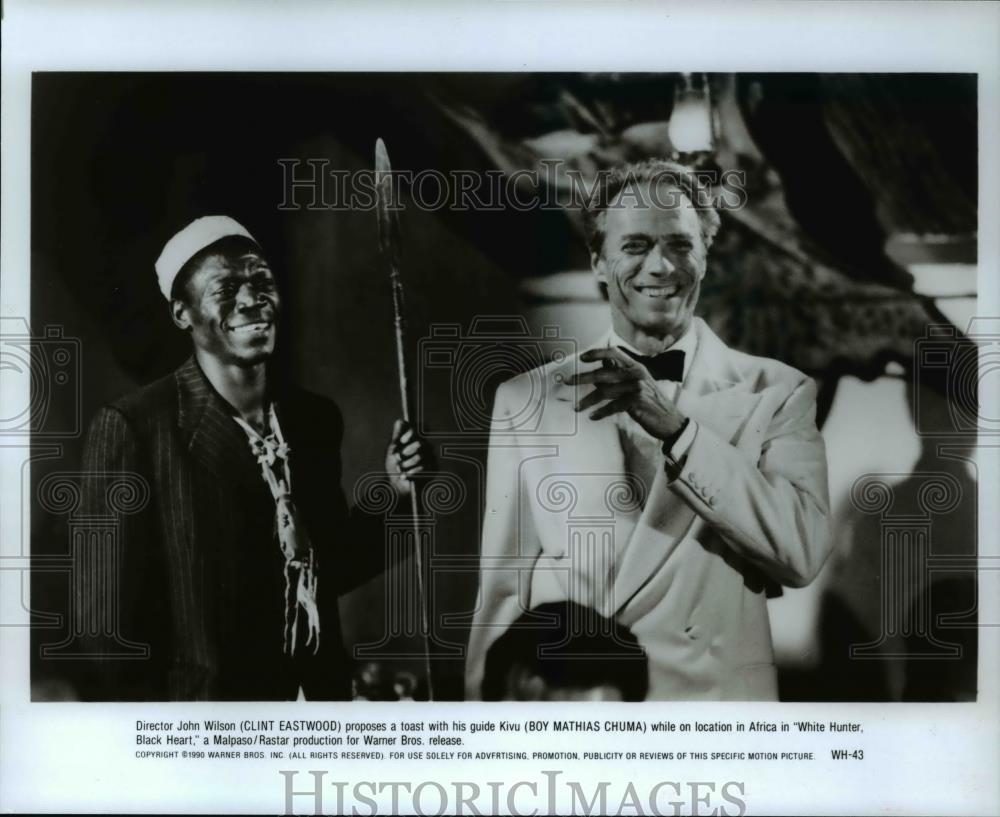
(667, 369)
(356, 415)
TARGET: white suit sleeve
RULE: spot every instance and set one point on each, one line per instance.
(509, 549)
(678, 451)
(774, 512)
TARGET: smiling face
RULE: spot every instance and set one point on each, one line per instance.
(652, 261)
(231, 305)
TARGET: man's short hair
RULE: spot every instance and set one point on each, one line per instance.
(578, 649)
(613, 182)
(224, 246)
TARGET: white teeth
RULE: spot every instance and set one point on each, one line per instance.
(660, 292)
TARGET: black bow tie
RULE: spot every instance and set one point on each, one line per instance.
(667, 365)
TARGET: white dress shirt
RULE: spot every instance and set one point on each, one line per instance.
(643, 452)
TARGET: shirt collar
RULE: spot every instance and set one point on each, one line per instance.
(686, 344)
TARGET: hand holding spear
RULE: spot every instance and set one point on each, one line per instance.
(388, 234)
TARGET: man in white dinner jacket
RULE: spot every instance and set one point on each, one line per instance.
(674, 486)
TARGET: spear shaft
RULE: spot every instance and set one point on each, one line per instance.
(388, 234)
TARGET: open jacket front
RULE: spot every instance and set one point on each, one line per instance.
(687, 562)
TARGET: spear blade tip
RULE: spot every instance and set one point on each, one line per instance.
(381, 156)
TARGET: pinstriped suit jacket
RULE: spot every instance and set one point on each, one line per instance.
(200, 576)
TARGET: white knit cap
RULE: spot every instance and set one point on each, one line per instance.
(192, 239)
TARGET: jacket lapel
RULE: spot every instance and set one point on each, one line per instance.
(714, 397)
(214, 441)
(715, 394)
(593, 443)
(593, 461)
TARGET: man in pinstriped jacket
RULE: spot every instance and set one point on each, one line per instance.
(231, 574)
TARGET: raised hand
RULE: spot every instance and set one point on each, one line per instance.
(623, 384)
